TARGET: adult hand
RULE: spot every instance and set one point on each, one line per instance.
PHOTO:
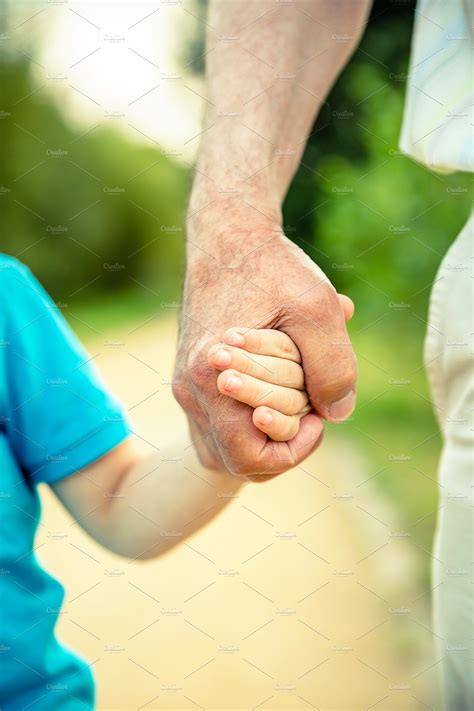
(256, 278)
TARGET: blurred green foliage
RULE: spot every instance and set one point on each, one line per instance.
(85, 210)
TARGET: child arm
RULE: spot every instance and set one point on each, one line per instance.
(66, 430)
(141, 506)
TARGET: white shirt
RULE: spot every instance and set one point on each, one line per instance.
(437, 125)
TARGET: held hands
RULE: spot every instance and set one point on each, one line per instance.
(259, 278)
(262, 368)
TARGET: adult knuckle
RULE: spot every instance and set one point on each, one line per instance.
(182, 393)
(200, 374)
(325, 304)
(318, 306)
(232, 444)
(325, 294)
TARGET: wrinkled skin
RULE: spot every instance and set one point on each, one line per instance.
(258, 280)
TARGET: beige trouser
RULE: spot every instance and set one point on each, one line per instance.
(449, 360)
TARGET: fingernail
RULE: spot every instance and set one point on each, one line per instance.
(213, 349)
(265, 418)
(233, 383)
(235, 339)
(222, 357)
(342, 408)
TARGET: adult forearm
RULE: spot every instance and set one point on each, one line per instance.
(270, 66)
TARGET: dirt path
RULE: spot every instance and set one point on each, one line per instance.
(288, 601)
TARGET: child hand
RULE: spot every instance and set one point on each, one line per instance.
(261, 367)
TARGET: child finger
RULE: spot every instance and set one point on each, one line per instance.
(263, 341)
(277, 426)
(254, 392)
(268, 368)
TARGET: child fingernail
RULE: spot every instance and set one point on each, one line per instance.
(265, 418)
(222, 357)
(235, 339)
(233, 383)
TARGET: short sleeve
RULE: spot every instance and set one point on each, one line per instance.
(60, 417)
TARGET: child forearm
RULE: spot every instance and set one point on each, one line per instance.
(162, 500)
(141, 506)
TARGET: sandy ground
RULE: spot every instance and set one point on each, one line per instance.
(296, 597)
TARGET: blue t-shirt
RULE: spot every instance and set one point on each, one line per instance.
(55, 418)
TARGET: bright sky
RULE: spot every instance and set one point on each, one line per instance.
(120, 62)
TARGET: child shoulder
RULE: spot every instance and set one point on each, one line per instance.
(11, 270)
(21, 293)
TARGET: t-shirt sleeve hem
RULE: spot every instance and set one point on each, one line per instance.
(82, 454)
